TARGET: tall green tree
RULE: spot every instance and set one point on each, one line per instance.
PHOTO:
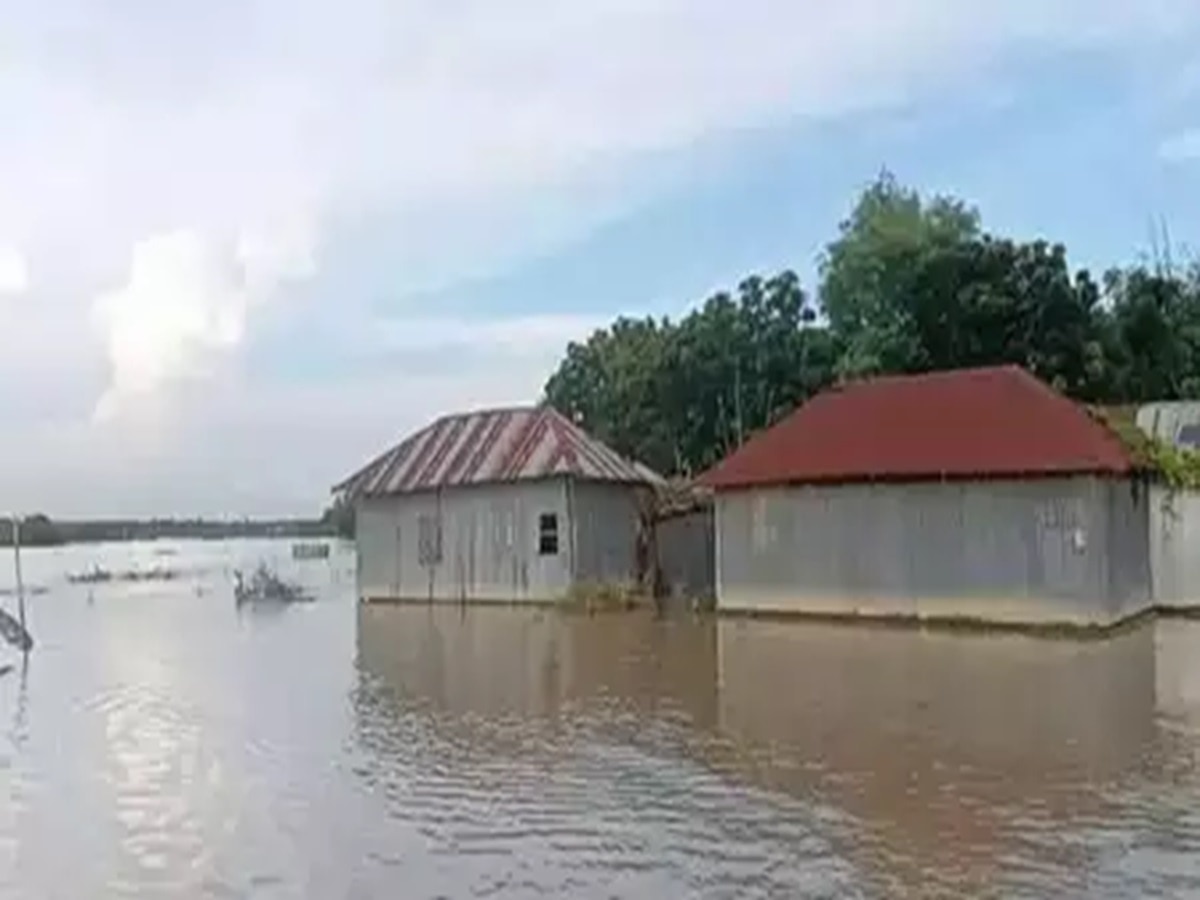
(868, 273)
(679, 395)
(614, 384)
(908, 284)
(912, 286)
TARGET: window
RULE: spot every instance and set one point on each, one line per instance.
(1189, 436)
(429, 540)
(548, 534)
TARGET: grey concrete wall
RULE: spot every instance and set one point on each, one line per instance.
(489, 544)
(686, 554)
(606, 523)
(1175, 547)
(1047, 551)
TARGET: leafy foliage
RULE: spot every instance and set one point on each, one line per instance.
(679, 395)
(907, 285)
(1178, 467)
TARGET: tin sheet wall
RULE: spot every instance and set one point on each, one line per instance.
(1175, 547)
(489, 539)
(1063, 550)
(606, 528)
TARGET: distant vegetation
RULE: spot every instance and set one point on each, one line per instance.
(909, 284)
(41, 531)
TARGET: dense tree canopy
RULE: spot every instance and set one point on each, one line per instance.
(679, 395)
(908, 284)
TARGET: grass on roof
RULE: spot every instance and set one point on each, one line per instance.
(1179, 467)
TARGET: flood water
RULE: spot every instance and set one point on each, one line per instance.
(162, 743)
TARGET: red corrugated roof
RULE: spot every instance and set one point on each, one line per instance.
(493, 445)
(983, 423)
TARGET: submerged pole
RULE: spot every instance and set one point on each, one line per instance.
(16, 526)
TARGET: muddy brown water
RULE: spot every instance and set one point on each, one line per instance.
(162, 743)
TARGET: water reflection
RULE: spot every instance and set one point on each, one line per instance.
(806, 758)
(164, 743)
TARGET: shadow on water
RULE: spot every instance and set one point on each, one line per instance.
(814, 758)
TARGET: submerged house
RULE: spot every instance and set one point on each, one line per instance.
(977, 494)
(496, 505)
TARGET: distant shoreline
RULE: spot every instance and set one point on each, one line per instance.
(40, 531)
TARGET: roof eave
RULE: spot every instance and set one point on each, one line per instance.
(847, 480)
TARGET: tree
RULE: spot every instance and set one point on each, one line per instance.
(914, 286)
(868, 271)
(614, 386)
(738, 365)
(909, 284)
(339, 518)
(36, 531)
(677, 396)
(1153, 325)
(989, 301)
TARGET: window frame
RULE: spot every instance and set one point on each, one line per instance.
(547, 534)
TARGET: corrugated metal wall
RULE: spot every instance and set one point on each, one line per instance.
(1176, 422)
(489, 544)
(685, 554)
(1175, 547)
(606, 523)
(1070, 550)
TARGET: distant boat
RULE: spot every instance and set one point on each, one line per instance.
(310, 551)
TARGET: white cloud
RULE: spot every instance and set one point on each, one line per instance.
(14, 271)
(1183, 147)
(183, 162)
(186, 300)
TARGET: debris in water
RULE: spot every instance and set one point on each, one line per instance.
(265, 586)
(99, 575)
(315, 550)
(11, 631)
(35, 591)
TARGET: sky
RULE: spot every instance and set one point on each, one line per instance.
(245, 245)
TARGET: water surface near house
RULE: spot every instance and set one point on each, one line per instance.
(161, 744)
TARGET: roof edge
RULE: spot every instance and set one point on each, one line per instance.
(1105, 473)
(512, 482)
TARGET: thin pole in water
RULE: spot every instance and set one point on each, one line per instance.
(16, 530)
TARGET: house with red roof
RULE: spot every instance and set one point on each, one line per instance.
(978, 494)
(496, 505)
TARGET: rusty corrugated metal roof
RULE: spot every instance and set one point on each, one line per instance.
(981, 423)
(496, 445)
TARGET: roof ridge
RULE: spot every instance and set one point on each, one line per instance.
(936, 375)
(1077, 409)
(537, 429)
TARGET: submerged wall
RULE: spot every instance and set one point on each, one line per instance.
(1069, 551)
(606, 528)
(1175, 547)
(494, 541)
(685, 546)
(489, 544)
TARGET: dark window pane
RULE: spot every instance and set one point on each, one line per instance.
(548, 534)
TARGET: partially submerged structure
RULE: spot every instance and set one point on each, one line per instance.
(967, 495)
(506, 505)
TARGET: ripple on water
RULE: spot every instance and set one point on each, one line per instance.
(168, 748)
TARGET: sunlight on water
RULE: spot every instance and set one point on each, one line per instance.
(164, 743)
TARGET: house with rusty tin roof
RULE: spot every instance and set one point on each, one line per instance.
(515, 504)
(978, 494)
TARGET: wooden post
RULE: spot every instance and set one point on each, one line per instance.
(16, 529)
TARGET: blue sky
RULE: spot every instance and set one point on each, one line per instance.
(244, 245)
